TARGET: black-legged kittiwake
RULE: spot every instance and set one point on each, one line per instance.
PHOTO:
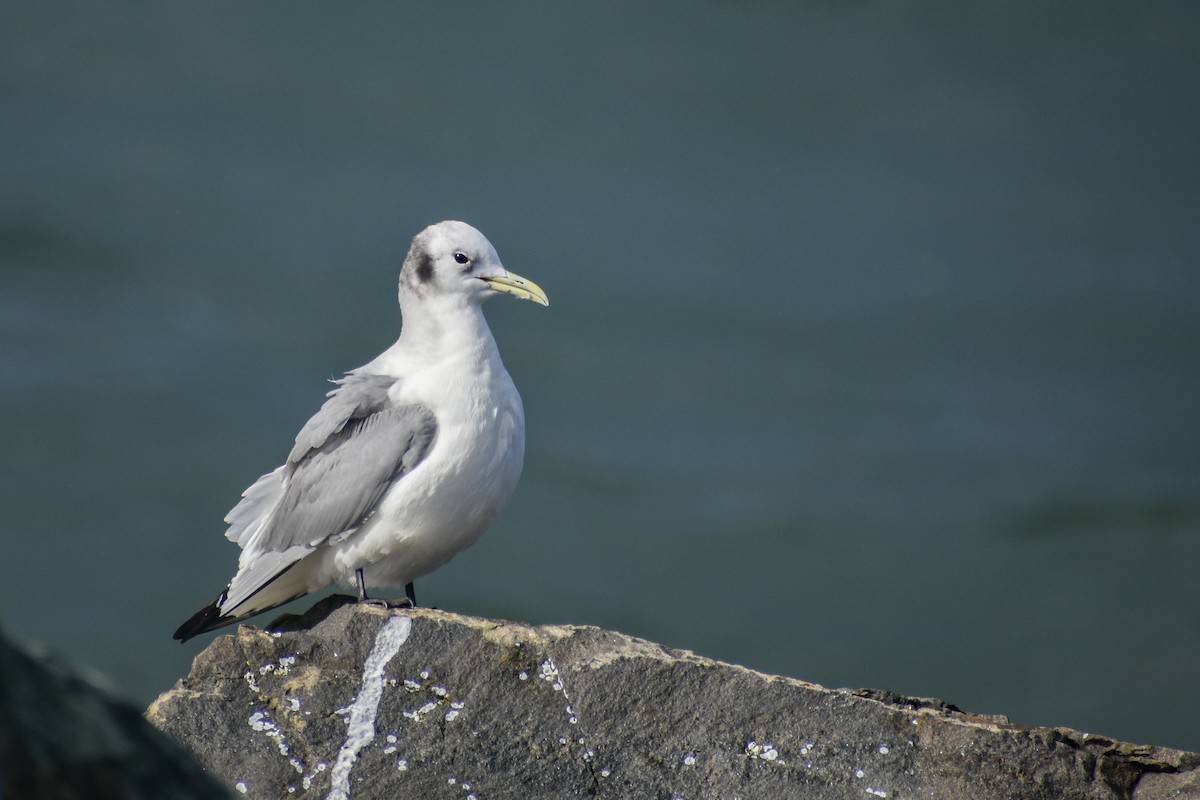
(409, 459)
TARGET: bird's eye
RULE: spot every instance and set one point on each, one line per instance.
(462, 258)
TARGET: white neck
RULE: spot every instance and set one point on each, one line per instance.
(442, 327)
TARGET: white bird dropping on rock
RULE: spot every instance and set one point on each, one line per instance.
(410, 458)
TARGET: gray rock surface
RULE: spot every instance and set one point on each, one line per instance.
(372, 703)
(62, 738)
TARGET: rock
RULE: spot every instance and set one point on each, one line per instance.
(376, 703)
(62, 738)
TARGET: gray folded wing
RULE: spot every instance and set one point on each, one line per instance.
(357, 396)
(344, 460)
(335, 487)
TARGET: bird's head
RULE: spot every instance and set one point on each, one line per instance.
(452, 258)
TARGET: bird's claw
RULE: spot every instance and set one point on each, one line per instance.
(386, 605)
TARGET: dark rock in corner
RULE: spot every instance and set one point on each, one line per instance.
(62, 738)
(373, 703)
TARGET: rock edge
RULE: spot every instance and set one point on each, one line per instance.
(376, 703)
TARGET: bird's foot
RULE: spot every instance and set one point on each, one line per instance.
(386, 605)
(409, 600)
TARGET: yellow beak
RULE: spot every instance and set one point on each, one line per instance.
(517, 287)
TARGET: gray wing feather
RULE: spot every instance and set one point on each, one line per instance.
(357, 395)
(335, 487)
(344, 459)
(265, 568)
(248, 516)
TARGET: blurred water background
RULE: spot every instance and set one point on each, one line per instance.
(873, 353)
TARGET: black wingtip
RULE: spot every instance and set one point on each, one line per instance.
(206, 619)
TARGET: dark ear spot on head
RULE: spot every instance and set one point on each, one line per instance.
(424, 268)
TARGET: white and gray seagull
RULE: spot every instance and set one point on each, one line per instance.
(408, 461)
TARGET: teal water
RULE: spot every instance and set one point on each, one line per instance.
(873, 355)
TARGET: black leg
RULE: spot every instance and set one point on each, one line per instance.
(409, 593)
